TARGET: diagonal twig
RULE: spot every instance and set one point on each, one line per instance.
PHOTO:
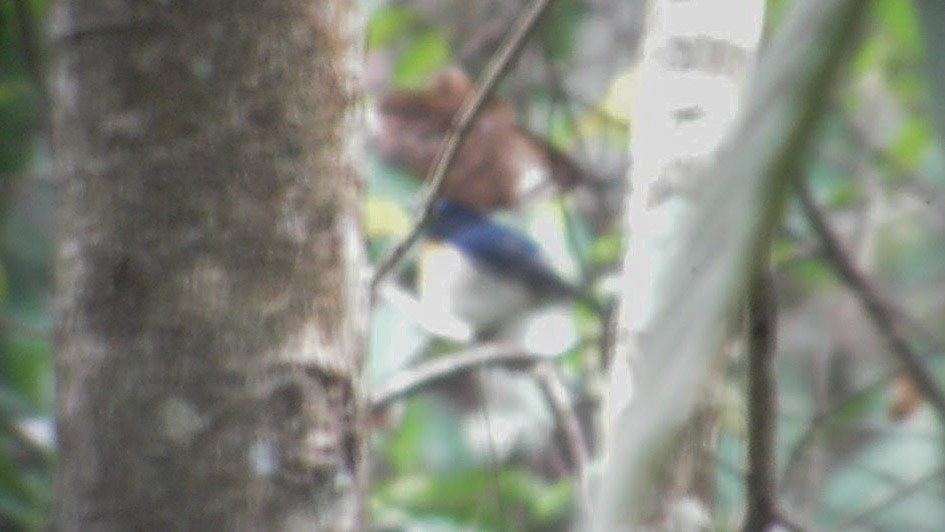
(823, 420)
(461, 123)
(569, 426)
(863, 516)
(875, 304)
(559, 398)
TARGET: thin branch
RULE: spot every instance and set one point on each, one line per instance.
(876, 306)
(806, 250)
(412, 380)
(861, 517)
(415, 379)
(760, 486)
(461, 125)
(494, 466)
(569, 426)
(571, 229)
(558, 397)
(823, 418)
(485, 36)
(883, 158)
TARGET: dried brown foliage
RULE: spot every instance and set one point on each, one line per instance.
(498, 161)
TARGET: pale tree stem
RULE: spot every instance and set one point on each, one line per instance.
(697, 56)
(694, 243)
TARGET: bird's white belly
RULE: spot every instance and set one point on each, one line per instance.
(450, 282)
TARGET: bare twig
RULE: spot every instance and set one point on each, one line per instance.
(882, 157)
(557, 395)
(569, 426)
(461, 124)
(923, 189)
(876, 306)
(412, 380)
(571, 230)
(762, 409)
(494, 467)
(486, 36)
(817, 424)
(863, 516)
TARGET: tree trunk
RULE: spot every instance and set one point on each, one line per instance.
(209, 304)
(687, 275)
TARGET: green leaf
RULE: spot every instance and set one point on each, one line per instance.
(428, 438)
(13, 404)
(27, 369)
(868, 57)
(933, 20)
(18, 116)
(834, 183)
(528, 501)
(560, 27)
(387, 23)
(843, 195)
(23, 498)
(782, 249)
(811, 274)
(911, 142)
(607, 248)
(898, 19)
(3, 285)
(15, 509)
(428, 52)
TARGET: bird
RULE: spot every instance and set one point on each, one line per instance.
(486, 274)
(494, 278)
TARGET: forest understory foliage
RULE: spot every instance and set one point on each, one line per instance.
(470, 431)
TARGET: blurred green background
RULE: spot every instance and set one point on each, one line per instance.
(856, 448)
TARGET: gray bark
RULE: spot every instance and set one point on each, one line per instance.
(209, 309)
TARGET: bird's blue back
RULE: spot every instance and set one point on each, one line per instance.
(493, 246)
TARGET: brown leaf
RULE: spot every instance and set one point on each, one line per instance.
(497, 160)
